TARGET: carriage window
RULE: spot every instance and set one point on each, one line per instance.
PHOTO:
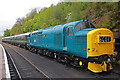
(22, 37)
(83, 25)
(70, 31)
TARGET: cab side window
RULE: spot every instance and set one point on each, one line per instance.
(79, 26)
(70, 31)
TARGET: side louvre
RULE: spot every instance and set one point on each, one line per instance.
(39, 38)
(58, 39)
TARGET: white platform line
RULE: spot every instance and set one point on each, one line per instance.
(6, 64)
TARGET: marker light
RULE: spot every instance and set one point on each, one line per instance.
(84, 49)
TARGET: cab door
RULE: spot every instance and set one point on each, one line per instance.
(65, 39)
(68, 38)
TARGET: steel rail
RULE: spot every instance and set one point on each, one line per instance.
(44, 73)
(46, 76)
(15, 66)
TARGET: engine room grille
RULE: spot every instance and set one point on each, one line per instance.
(81, 39)
(39, 38)
(58, 39)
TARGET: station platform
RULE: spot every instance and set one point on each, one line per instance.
(4, 69)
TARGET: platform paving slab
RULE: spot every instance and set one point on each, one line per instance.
(4, 69)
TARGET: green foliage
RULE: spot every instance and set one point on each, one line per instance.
(7, 32)
(106, 23)
(113, 20)
(66, 12)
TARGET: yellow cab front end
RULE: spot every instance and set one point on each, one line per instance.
(100, 48)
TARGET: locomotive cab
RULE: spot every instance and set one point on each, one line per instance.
(75, 37)
(100, 47)
(96, 45)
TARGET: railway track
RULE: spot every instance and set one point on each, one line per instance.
(15, 72)
(41, 72)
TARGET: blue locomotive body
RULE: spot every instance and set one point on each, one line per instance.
(77, 43)
(63, 38)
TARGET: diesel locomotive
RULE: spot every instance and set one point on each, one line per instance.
(78, 43)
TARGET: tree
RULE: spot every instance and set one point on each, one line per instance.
(101, 14)
(7, 32)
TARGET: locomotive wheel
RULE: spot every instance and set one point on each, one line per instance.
(55, 56)
(47, 53)
(39, 51)
(31, 49)
(44, 52)
(51, 54)
(80, 63)
(35, 50)
(66, 59)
